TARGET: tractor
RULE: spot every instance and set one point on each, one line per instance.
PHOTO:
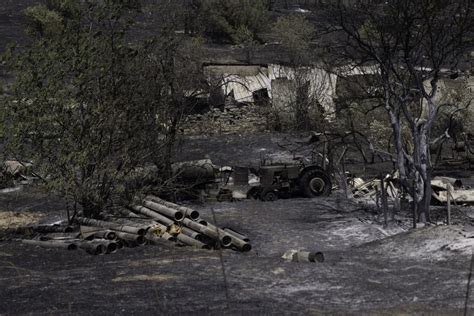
(287, 179)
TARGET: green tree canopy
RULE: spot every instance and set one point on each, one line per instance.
(87, 106)
(235, 21)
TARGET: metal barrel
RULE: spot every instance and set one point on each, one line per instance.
(225, 239)
(188, 212)
(152, 214)
(112, 226)
(187, 240)
(172, 213)
(236, 234)
(307, 256)
(202, 170)
(140, 240)
(69, 245)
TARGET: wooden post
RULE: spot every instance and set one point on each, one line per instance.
(448, 196)
(324, 154)
(415, 204)
(384, 200)
(377, 199)
(343, 175)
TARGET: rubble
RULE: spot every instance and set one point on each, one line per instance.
(149, 221)
(16, 168)
(230, 120)
(458, 193)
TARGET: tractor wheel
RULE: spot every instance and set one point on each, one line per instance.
(269, 195)
(315, 183)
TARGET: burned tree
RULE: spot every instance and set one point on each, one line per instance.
(408, 46)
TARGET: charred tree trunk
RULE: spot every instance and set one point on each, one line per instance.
(422, 166)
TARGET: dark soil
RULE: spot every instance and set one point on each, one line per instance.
(369, 269)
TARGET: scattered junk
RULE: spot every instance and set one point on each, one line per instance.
(16, 168)
(303, 256)
(148, 221)
(14, 174)
(204, 180)
(446, 190)
(371, 189)
(285, 179)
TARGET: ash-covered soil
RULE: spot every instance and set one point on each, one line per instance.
(369, 269)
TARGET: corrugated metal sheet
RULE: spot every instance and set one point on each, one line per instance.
(242, 80)
(242, 87)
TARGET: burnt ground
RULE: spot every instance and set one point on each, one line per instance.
(369, 269)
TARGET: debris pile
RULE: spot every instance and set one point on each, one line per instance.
(371, 189)
(15, 173)
(442, 187)
(148, 221)
(458, 193)
(232, 119)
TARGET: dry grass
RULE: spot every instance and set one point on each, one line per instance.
(146, 277)
(10, 219)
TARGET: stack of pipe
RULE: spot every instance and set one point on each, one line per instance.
(148, 221)
(193, 231)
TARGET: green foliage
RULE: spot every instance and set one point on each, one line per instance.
(294, 31)
(88, 107)
(43, 22)
(236, 21)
